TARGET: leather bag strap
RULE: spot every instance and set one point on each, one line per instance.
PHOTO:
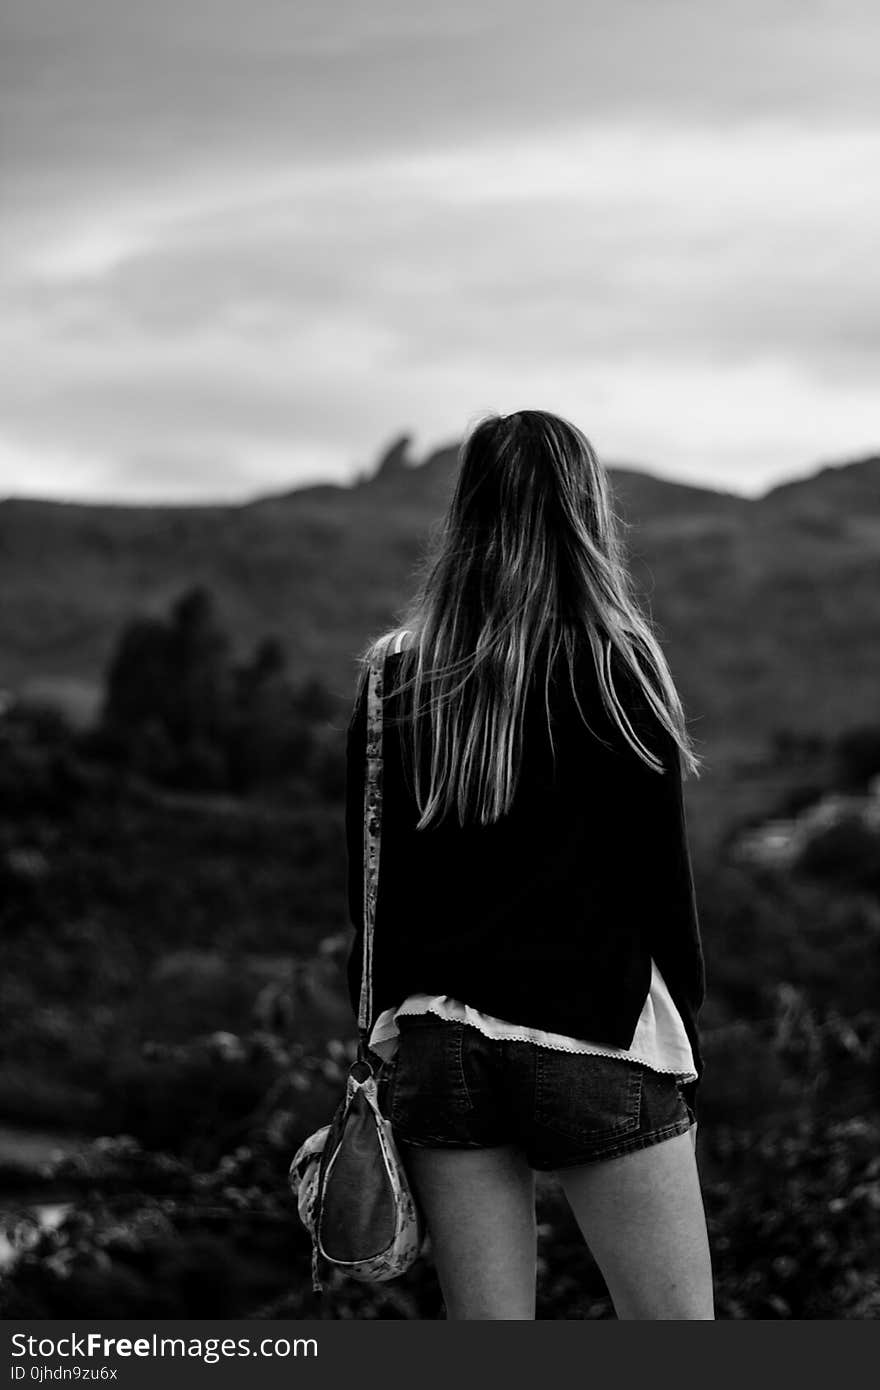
(372, 836)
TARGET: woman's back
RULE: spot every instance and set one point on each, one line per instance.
(551, 915)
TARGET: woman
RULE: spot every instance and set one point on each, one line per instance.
(537, 966)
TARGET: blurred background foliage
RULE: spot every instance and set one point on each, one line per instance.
(175, 1020)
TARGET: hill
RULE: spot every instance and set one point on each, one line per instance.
(769, 608)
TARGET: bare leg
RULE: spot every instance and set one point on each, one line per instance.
(642, 1217)
(479, 1205)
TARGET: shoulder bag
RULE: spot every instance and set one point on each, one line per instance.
(352, 1191)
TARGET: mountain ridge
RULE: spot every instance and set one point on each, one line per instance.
(768, 607)
(397, 459)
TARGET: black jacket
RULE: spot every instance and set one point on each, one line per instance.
(550, 917)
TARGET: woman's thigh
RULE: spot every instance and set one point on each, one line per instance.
(469, 1173)
(479, 1205)
(642, 1217)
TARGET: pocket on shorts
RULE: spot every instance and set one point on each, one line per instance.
(586, 1097)
(429, 1079)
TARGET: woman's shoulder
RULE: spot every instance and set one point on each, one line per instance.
(382, 648)
(390, 643)
(400, 640)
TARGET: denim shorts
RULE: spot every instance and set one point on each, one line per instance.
(449, 1086)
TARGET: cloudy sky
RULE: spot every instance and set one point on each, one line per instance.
(244, 243)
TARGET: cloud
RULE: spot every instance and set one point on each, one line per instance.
(238, 257)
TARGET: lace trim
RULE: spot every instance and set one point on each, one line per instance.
(575, 1048)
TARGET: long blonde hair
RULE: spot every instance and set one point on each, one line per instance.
(527, 561)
